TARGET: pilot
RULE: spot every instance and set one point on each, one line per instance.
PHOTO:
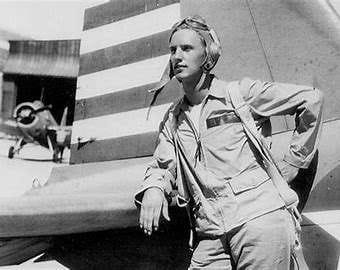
(204, 152)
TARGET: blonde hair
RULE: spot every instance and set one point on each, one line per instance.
(208, 36)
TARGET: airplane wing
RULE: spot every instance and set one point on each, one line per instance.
(65, 128)
(9, 127)
(78, 198)
(75, 199)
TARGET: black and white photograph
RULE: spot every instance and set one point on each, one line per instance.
(169, 134)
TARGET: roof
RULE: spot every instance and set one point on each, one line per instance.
(58, 58)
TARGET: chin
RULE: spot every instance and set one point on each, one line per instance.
(180, 76)
(187, 77)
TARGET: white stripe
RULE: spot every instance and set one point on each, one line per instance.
(135, 27)
(120, 78)
(327, 220)
(119, 124)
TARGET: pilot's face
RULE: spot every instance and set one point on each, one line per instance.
(187, 54)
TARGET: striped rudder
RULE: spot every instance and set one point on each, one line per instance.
(124, 50)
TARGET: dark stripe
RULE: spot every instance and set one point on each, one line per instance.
(127, 100)
(120, 9)
(125, 53)
(140, 145)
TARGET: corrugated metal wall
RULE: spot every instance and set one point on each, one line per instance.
(57, 58)
(3, 58)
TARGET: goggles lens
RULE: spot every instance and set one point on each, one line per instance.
(192, 23)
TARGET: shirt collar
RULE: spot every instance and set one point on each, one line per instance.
(217, 90)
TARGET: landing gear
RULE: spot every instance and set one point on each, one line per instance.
(55, 156)
(16, 148)
(58, 154)
(11, 152)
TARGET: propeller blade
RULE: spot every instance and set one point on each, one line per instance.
(50, 146)
(63, 119)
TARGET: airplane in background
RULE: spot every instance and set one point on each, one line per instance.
(34, 123)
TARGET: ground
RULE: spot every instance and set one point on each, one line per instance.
(17, 176)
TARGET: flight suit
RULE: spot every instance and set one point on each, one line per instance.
(221, 177)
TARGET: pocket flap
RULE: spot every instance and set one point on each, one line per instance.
(248, 181)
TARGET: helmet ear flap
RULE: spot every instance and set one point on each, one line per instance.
(213, 51)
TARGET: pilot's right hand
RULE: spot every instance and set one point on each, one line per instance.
(153, 203)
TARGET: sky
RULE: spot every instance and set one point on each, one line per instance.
(44, 19)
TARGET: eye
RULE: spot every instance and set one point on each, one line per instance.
(172, 50)
(186, 48)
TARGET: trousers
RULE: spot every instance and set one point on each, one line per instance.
(262, 243)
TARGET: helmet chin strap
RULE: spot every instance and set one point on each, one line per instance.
(204, 61)
(201, 81)
(204, 73)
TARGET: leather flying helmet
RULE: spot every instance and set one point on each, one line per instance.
(212, 47)
(208, 36)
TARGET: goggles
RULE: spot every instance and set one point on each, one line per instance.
(191, 22)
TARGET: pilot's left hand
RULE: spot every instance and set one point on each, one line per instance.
(288, 171)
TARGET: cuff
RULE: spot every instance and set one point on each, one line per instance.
(158, 180)
(296, 162)
(139, 194)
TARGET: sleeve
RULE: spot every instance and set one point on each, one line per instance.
(268, 99)
(161, 171)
